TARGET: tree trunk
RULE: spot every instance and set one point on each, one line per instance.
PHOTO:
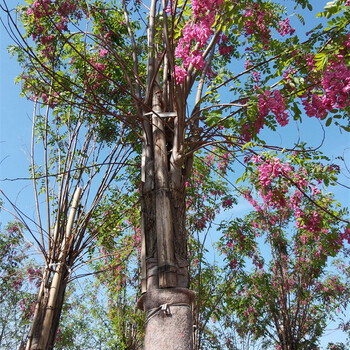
(166, 298)
(168, 310)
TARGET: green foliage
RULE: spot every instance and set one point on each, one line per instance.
(116, 258)
(278, 255)
(19, 279)
(85, 323)
(76, 73)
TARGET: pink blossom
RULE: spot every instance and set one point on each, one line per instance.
(201, 7)
(336, 91)
(197, 60)
(41, 8)
(274, 102)
(180, 74)
(103, 52)
(285, 28)
(62, 25)
(246, 132)
(346, 43)
(195, 35)
(225, 50)
(257, 23)
(227, 203)
(100, 66)
(247, 64)
(46, 39)
(346, 235)
(66, 7)
(182, 49)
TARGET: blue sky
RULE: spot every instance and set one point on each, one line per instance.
(15, 126)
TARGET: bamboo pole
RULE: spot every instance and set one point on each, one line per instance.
(58, 273)
(164, 222)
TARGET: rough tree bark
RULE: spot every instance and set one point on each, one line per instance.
(166, 298)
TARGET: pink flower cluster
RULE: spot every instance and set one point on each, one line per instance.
(58, 12)
(224, 48)
(50, 100)
(40, 8)
(270, 169)
(201, 7)
(103, 52)
(180, 74)
(195, 36)
(34, 275)
(277, 195)
(285, 28)
(222, 165)
(247, 195)
(66, 7)
(17, 284)
(256, 23)
(45, 39)
(268, 102)
(298, 261)
(274, 102)
(336, 87)
(96, 77)
(62, 25)
(13, 229)
(346, 235)
(227, 203)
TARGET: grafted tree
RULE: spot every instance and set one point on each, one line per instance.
(179, 89)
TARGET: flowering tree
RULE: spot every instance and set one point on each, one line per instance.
(176, 90)
(278, 256)
(118, 271)
(19, 280)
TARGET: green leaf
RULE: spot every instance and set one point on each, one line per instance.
(329, 121)
(346, 128)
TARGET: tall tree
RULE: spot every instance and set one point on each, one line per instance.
(279, 255)
(72, 176)
(178, 90)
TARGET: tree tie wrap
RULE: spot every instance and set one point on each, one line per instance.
(162, 309)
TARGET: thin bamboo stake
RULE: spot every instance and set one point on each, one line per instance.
(164, 220)
(58, 273)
